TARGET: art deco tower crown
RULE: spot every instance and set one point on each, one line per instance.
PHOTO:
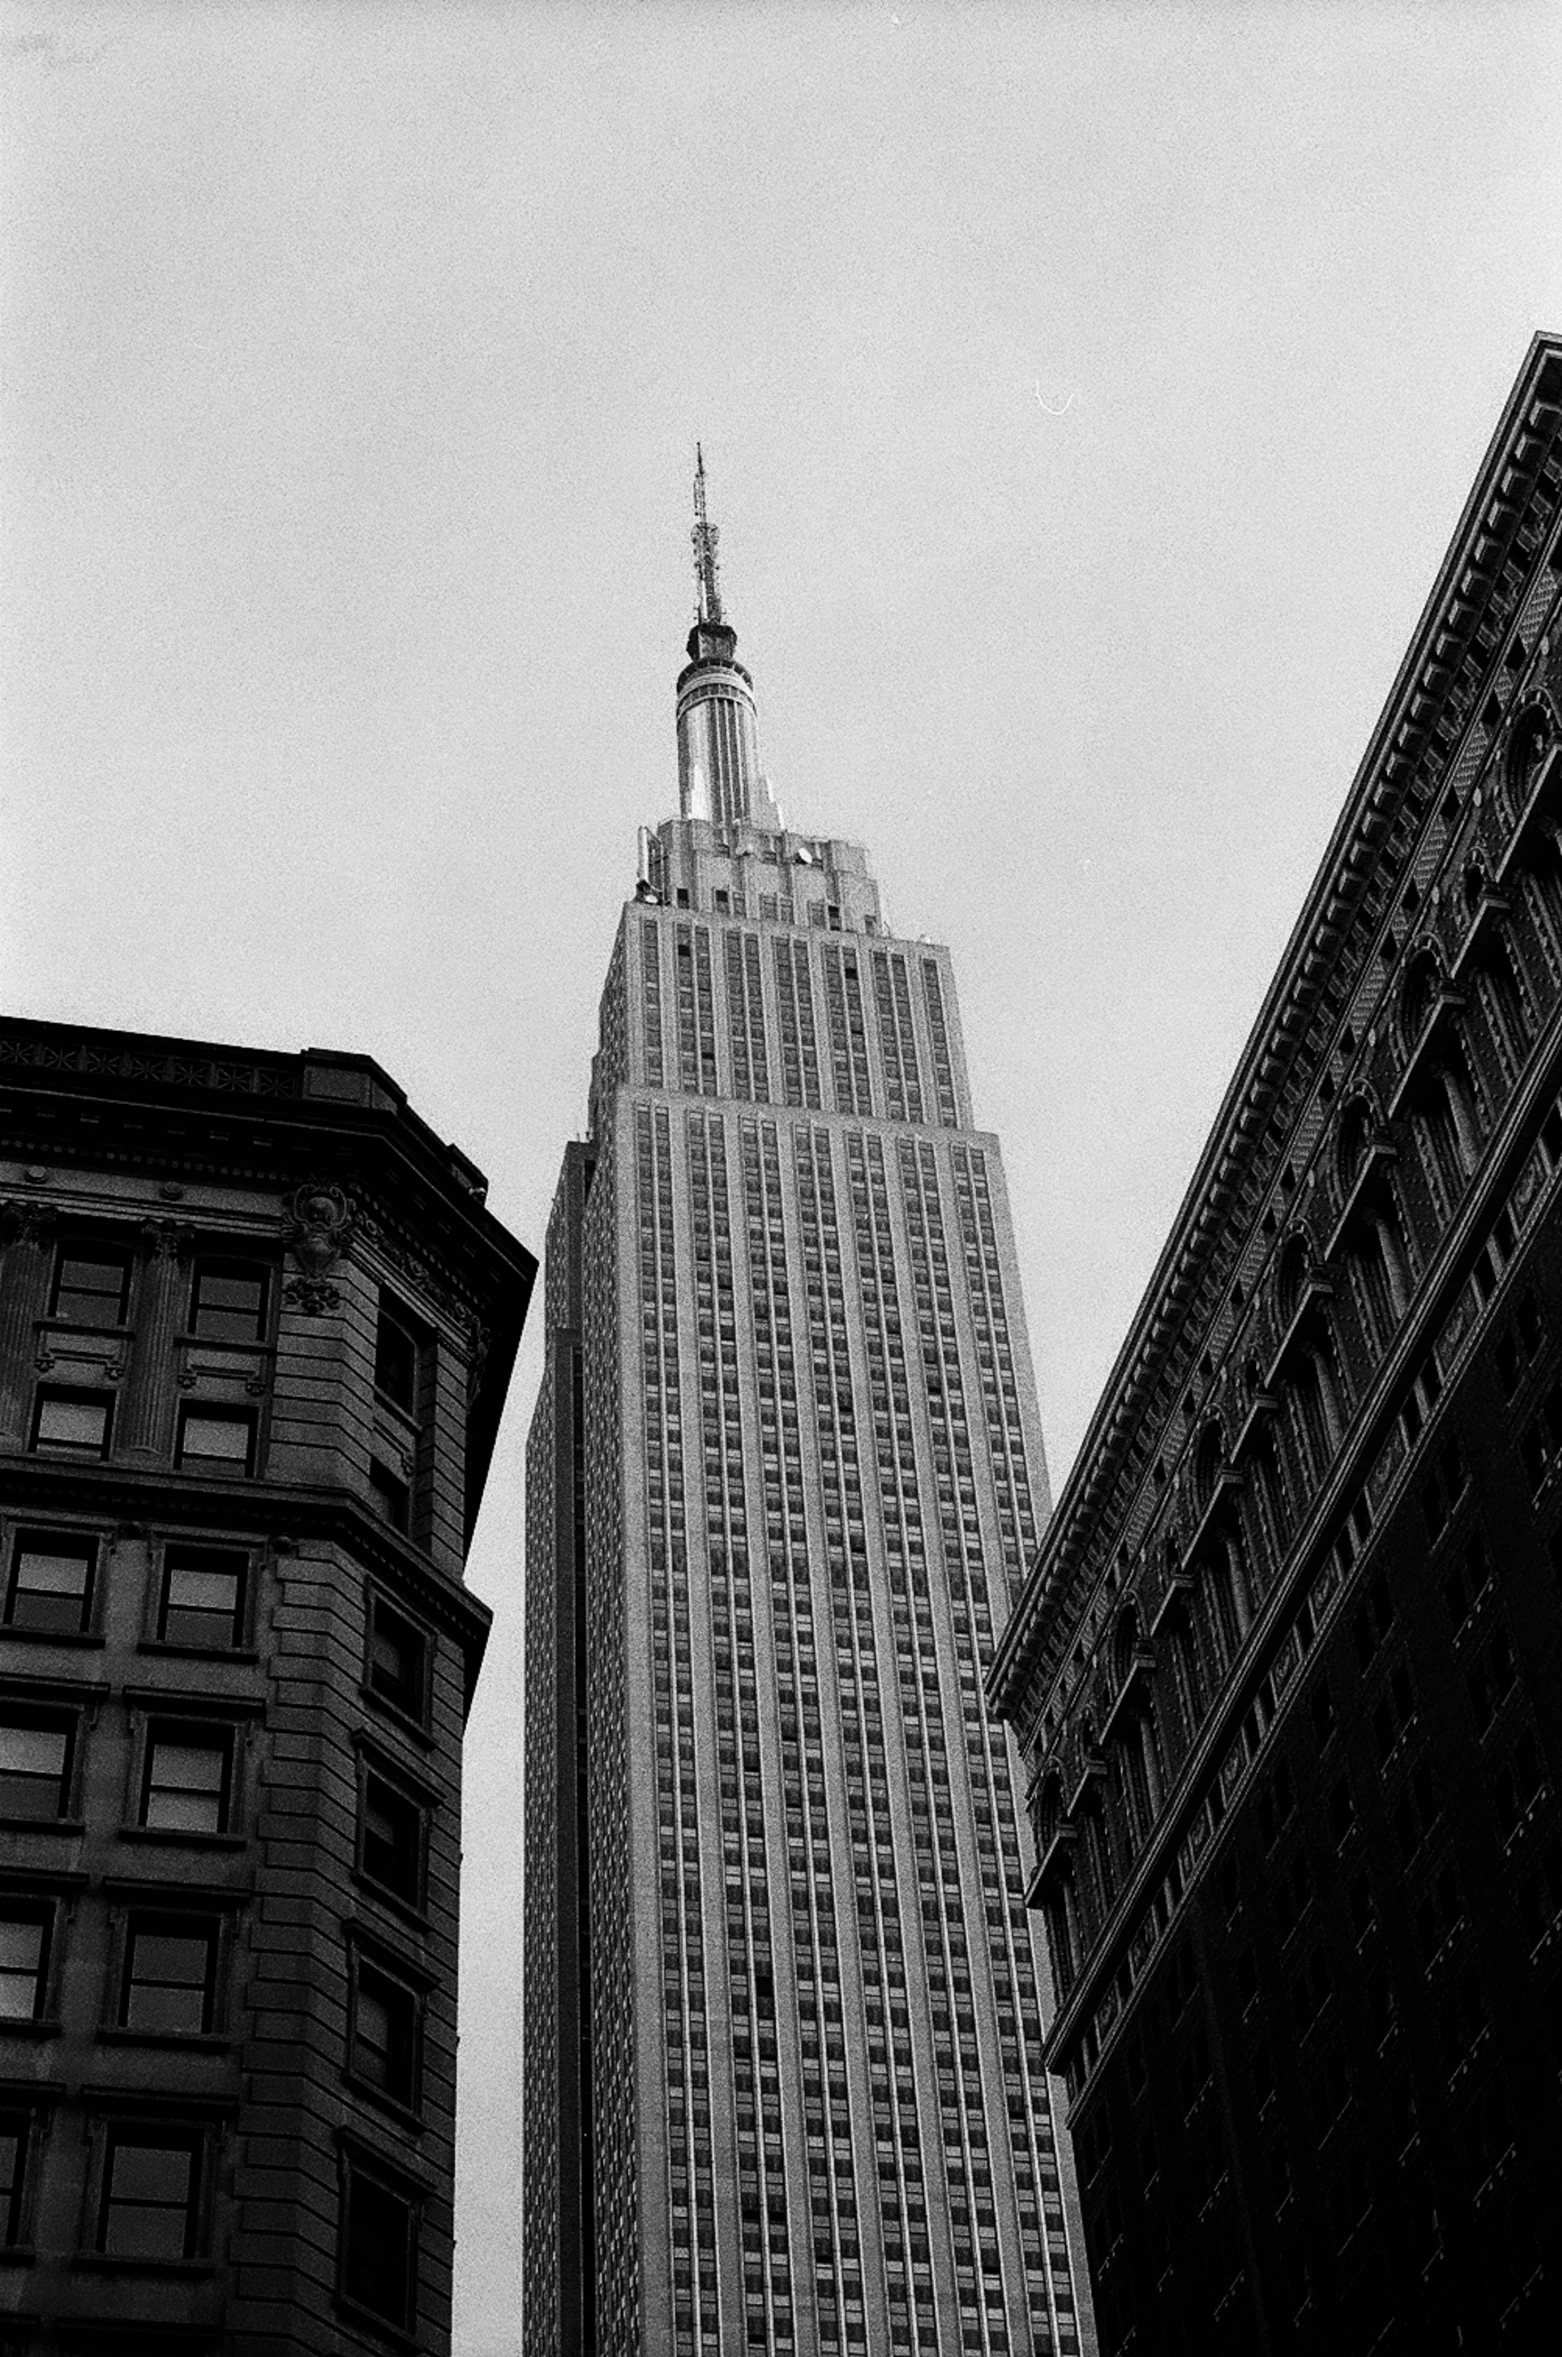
(718, 746)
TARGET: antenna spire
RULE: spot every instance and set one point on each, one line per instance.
(705, 538)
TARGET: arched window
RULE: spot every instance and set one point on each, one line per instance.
(1507, 1013)
(1269, 1502)
(1208, 1457)
(1527, 749)
(1187, 1682)
(1354, 1137)
(1063, 1930)
(1290, 1277)
(1049, 1811)
(1418, 995)
(1125, 1643)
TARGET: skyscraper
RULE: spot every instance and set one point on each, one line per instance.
(1286, 1667)
(785, 1476)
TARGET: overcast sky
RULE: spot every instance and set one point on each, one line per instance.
(1087, 396)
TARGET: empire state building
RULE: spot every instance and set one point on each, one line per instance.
(785, 1477)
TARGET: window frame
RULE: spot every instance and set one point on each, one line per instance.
(22, 1715)
(22, 2121)
(356, 2167)
(212, 1264)
(371, 1771)
(32, 1538)
(72, 1395)
(219, 1556)
(20, 1908)
(213, 1467)
(169, 1923)
(153, 2135)
(410, 1984)
(187, 1734)
(415, 1713)
(85, 1253)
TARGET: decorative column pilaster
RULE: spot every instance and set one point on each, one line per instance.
(145, 1432)
(25, 1229)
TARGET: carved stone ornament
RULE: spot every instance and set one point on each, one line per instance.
(25, 1221)
(312, 1295)
(167, 1239)
(320, 1224)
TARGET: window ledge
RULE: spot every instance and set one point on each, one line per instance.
(181, 2041)
(402, 2113)
(181, 1652)
(120, 2263)
(365, 2320)
(402, 1720)
(29, 2025)
(407, 1909)
(17, 2254)
(71, 1827)
(184, 1839)
(26, 1636)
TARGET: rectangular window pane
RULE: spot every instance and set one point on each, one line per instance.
(24, 1944)
(186, 1786)
(51, 1582)
(91, 1290)
(396, 1361)
(169, 1976)
(385, 2026)
(229, 1301)
(148, 2200)
(73, 1422)
(396, 1658)
(33, 1762)
(392, 1828)
(13, 2160)
(217, 1442)
(378, 2249)
(203, 1591)
(391, 1496)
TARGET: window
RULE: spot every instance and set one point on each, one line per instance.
(391, 1495)
(13, 2166)
(391, 1851)
(396, 1353)
(51, 1582)
(24, 1961)
(170, 1977)
(379, 2246)
(35, 1758)
(398, 1654)
(383, 2048)
(214, 1440)
(150, 2181)
(187, 1779)
(228, 1301)
(73, 1423)
(203, 1597)
(91, 1289)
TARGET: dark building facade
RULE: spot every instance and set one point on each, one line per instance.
(786, 1471)
(1286, 1667)
(256, 1327)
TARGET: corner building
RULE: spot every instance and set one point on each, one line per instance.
(256, 1327)
(1286, 1669)
(782, 2001)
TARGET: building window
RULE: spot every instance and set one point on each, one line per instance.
(91, 1289)
(24, 1961)
(383, 2046)
(170, 1979)
(51, 1583)
(228, 1301)
(150, 2185)
(72, 1423)
(35, 1759)
(379, 2246)
(398, 1352)
(213, 1440)
(398, 1660)
(14, 2127)
(391, 1495)
(186, 1786)
(391, 1846)
(202, 1602)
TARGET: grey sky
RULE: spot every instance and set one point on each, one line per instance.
(1087, 396)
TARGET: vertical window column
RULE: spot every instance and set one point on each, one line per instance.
(24, 1279)
(146, 1428)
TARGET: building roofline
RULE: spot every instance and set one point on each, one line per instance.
(1412, 736)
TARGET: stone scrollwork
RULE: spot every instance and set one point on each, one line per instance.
(312, 1295)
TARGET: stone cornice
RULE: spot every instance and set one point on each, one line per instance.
(1435, 701)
